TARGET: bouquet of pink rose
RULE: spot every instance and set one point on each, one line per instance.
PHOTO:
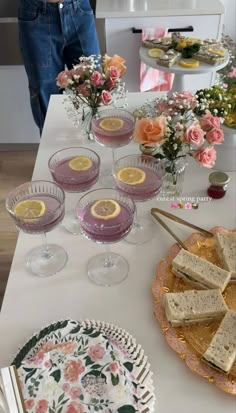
(92, 82)
(173, 129)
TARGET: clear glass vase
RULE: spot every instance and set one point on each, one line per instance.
(86, 121)
(174, 178)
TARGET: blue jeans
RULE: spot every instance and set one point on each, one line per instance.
(52, 36)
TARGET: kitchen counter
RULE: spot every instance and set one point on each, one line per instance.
(154, 8)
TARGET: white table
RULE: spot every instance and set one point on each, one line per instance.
(180, 72)
(31, 302)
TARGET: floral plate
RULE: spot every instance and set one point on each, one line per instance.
(84, 367)
(190, 342)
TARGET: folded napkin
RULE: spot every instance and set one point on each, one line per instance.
(82, 372)
(153, 79)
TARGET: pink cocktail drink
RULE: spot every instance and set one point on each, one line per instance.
(75, 169)
(75, 181)
(53, 215)
(144, 190)
(104, 231)
(113, 128)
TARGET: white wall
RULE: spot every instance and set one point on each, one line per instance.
(230, 18)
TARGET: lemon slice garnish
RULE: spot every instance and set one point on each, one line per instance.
(191, 63)
(105, 209)
(132, 176)
(30, 209)
(155, 52)
(80, 163)
(111, 124)
(217, 52)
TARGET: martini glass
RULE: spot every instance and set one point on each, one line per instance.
(112, 128)
(140, 178)
(75, 169)
(106, 216)
(37, 207)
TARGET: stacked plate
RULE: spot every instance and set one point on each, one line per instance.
(84, 367)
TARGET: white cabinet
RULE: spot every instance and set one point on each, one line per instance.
(121, 40)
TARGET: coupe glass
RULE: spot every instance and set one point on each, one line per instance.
(107, 268)
(74, 178)
(50, 258)
(112, 128)
(151, 173)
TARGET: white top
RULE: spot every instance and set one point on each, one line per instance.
(32, 302)
(152, 8)
(202, 68)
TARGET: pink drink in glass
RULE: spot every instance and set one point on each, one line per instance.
(53, 215)
(105, 231)
(75, 181)
(145, 190)
(113, 138)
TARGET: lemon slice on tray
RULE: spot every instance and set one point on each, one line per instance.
(131, 175)
(30, 209)
(105, 209)
(155, 52)
(111, 124)
(80, 163)
(191, 63)
(217, 52)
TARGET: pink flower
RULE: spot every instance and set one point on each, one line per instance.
(96, 352)
(48, 364)
(68, 348)
(37, 358)
(194, 135)
(96, 78)
(66, 387)
(163, 108)
(83, 90)
(75, 392)
(75, 407)
(42, 406)
(149, 130)
(113, 366)
(113, 73)
(188, 205)
(233, 72)
(206, 156)
(215, 136)
(105, 97)
(174, 205)
(63, 79)
(29, 404)
(72, 370)
(110, 84)
(184, 99)
(208, 121)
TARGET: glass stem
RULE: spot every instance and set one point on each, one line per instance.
(113, 156)
(108, 262)
(46, 250)
(136, 223)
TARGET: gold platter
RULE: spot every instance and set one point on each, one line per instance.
(191, 342)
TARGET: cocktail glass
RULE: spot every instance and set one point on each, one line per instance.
(140, 178)
(75, 169)
(112, 128)
(37, 207)
(106, 222)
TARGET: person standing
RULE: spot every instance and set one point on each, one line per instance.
(53, 34)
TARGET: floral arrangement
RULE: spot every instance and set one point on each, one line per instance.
(170, 125)
(93, 81)
(220, 99)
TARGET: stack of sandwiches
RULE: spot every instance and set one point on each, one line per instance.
(207, 303)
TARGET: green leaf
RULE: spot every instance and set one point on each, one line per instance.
(30, 374)
(61, 398)
(60, 409)
(56, 375)
(129, 366)
(97, 366)
(88, 361)
(126, 409)
(51, 410)
(114, 379)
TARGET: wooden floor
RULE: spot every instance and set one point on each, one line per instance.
(15, 169)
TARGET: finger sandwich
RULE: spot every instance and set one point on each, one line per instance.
(199, 272)
(221, 353)
(226, 249)
(194, 306)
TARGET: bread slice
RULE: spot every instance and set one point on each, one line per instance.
(163, 43)
(169, 58)
(221, 353)
(226, 249)
(203, 55)
(199, 272)
(194, 306)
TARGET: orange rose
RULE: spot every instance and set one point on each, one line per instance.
(150, 130)
(114, 61)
